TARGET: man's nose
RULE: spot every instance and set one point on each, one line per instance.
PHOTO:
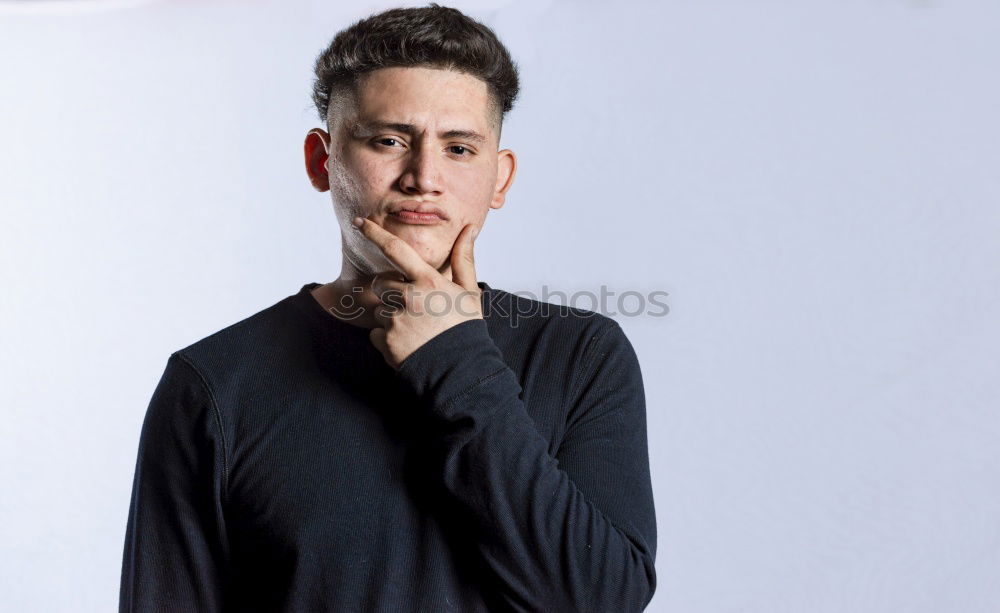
(422, 174)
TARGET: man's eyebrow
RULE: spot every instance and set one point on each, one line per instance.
(410, 130)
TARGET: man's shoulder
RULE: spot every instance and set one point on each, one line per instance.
(521, 313)
(247, 340)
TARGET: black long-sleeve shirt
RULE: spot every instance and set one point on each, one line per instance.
(284, 466)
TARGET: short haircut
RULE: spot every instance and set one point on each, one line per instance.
(432, 37)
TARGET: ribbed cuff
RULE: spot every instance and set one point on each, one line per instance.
(451, 363)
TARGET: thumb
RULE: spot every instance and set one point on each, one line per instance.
(463, 260)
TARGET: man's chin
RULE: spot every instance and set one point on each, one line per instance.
(381, 264)
(427, 245)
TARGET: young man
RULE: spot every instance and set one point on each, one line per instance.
(404, 438)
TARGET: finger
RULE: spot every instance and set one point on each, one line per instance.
(383, 314)
(390, 288)
(398, 251)
(463, 261)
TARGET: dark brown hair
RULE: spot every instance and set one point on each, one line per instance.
(433, 36)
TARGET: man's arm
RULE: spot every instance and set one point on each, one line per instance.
(575, 532)
(175, 545)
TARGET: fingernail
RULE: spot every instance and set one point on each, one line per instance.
(358, 222)
(475, 233)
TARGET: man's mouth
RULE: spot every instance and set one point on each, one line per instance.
(416, 212)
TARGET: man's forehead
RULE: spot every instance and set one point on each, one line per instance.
(417, 99)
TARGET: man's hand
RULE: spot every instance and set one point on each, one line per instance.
(418, 301)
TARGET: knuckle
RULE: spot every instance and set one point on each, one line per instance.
(392, 247)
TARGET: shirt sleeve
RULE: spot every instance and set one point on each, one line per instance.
(575, 532)
(175, 547)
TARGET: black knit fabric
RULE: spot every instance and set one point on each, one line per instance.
(284, 466)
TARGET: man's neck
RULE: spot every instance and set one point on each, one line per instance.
(350, 297)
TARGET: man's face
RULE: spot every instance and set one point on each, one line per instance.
(412, 137)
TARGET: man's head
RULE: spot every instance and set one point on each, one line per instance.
(414, 101)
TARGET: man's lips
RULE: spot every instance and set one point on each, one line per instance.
(416, 212)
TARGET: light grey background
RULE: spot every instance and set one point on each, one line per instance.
(815, 184)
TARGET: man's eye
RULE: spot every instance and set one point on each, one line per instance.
(387, 141)
(461, 150)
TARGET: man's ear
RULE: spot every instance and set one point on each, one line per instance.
(317, 150)
(506, 168)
